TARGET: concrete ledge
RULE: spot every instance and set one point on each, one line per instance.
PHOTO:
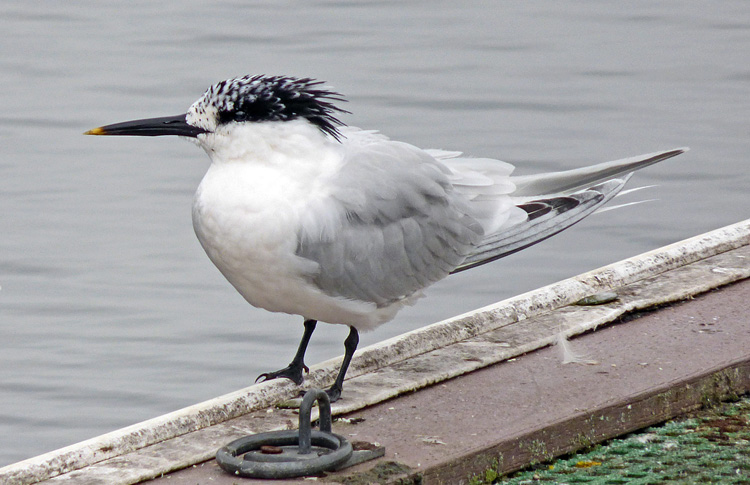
(381, 371)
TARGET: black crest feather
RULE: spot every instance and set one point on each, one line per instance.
(276, 98)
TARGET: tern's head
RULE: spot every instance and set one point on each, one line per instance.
(243, 100)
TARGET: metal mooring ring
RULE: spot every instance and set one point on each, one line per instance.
(296, 452)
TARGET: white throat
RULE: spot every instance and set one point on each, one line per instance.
(268, 143)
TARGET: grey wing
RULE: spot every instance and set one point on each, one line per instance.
(545, 218)
(390, 226)
(555, 201)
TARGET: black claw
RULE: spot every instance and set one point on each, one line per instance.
(291, 372)
(334, 393)
(294, 370)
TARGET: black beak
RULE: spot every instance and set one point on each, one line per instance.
(168, 125)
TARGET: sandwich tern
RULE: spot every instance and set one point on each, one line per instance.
(307, 216)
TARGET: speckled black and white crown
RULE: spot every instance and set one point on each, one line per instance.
(268, 98)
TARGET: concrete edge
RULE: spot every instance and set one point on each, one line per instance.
(391, 351)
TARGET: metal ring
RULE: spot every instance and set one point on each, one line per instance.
(332, 449)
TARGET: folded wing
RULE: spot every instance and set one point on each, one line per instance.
(555, 201)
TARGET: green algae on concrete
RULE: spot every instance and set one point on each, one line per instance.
(709, 446)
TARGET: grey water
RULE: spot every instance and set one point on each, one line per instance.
(110, 312)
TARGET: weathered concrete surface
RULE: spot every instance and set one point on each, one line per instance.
(654, 367)
(402, 364)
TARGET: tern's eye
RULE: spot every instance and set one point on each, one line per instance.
(241, 116)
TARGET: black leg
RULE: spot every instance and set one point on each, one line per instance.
(294, 370)
(350, 345)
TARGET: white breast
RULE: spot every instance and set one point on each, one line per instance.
(246, 230)
(247, 214)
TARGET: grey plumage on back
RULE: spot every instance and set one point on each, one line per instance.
(401, 225)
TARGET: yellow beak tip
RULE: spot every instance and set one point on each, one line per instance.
(96, 131)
